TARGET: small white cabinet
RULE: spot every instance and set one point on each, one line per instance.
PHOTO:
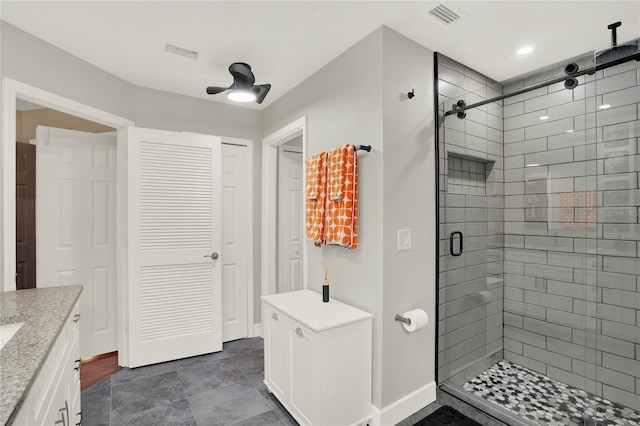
(54, 397)
(318, 358)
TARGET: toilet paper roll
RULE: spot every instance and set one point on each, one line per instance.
(419, 319)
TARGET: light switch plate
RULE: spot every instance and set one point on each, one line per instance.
(404, 239)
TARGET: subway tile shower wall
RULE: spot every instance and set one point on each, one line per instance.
(571, 231)
(472, 202)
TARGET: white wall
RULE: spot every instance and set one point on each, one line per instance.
(343, 104)
(33, 61)
(408, 199)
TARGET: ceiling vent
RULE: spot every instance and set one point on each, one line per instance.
(181, 51)
(445, 16)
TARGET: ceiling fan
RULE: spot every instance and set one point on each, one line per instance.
(243, 88)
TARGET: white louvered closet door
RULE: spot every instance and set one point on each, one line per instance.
(174, 227)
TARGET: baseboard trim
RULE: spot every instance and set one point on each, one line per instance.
(404, 407)
(257, 330)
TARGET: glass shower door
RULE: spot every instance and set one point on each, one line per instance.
(471, 226)
(616, 340)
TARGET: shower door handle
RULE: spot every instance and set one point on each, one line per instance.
(451, 239)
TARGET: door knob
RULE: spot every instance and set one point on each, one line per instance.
(213, 255)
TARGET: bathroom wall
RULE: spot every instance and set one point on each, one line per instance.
(28, 59)
(471, 201)
(408, 203)
(396, 189)
(32, 61)
(572, 273)
(169, 111)
(341, 110)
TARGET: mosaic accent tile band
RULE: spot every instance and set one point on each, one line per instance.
(546, 401)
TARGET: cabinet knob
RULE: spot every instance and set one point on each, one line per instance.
(299, 331)
(274, 316)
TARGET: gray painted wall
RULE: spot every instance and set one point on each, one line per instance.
(339, 110)
(343, 110)
(33, 61)
(373, 109)
(408, 202)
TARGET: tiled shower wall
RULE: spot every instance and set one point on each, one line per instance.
(572, 272)
(471, 288)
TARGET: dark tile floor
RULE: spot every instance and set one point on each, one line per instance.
(223, 388)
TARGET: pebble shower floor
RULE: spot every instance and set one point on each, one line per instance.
(546, 401)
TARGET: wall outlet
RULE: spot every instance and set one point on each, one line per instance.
(404, 239)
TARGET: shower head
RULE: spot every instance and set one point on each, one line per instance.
(616, 52)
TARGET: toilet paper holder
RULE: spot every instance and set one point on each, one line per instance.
(403, 319)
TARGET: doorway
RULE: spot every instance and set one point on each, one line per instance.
(65, 214)
(290, 215)
(270, 202)
(25, 216)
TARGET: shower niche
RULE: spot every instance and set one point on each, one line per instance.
(468, 175)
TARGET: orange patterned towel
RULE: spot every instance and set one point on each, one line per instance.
(341, 223)
(316, 194)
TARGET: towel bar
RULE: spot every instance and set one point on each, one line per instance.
(403, 319)
(363, 147)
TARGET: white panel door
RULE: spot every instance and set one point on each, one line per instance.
(174, 237)
(235, 209)
(76, 227)
(290, 219)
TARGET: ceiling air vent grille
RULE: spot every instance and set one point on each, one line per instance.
(443, 13)
(444, 16)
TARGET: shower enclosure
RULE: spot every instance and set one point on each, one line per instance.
(539, 260)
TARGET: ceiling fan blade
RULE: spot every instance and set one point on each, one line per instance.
(261, 91)
(213, 90)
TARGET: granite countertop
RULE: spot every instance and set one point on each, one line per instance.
(44, 312)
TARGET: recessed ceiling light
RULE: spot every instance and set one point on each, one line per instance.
(241, 96)
(570, 131)
(525, 50)
(605, 106)
(544, 117)
(533, 165)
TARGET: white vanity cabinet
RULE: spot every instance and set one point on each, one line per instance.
(54, 397)
(318, 358)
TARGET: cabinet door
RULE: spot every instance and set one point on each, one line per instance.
(57, 413)
(302, 368)
(277, 353)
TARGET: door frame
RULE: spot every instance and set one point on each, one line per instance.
(11, 90)
(270, 146)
